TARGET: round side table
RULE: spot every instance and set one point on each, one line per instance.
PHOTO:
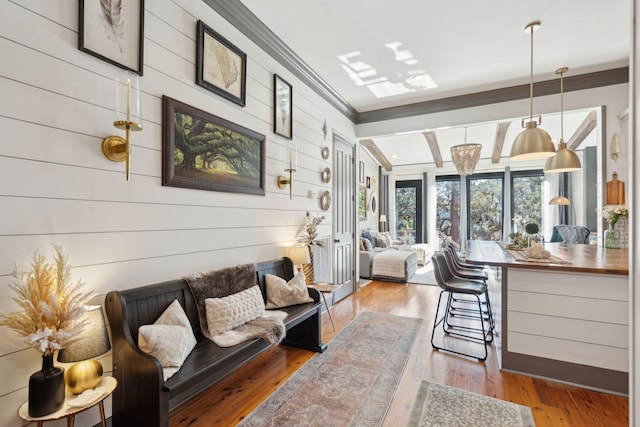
(69, 410)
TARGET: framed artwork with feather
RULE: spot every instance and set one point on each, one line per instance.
(113, 30)
(220, 66)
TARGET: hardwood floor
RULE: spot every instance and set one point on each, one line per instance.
(552, 404)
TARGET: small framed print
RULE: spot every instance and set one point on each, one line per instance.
(113, 34)
(282, 107)
(368, 182)
(220, 66)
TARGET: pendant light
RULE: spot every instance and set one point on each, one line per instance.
(533, 142)
(564, 160)
(465, 156)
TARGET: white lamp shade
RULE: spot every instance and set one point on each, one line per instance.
(383, 218)
(297, 254)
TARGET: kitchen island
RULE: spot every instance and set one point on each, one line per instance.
(565, 318)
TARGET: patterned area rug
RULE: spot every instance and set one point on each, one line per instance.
(351, 383)
(444, 406)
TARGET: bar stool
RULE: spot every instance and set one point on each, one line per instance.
(453, 286)
(452, 249)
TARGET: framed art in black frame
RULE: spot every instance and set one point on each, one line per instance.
(220, 66)
(113, 34)
(282, 107)
(206, 152)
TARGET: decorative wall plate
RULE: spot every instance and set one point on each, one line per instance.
(326, 175)
(325, 152)
(325, 200)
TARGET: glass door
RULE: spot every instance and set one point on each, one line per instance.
(448, 208)
(409, 211)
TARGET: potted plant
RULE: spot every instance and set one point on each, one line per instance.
(51, 320)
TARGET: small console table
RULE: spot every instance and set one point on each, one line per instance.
(328, 288)
(72, 406)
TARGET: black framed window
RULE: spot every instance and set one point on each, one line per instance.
(526, 199)
(485, 207)
(448, 207)
(409, 211)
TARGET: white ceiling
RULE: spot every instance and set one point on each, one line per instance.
(465, 46)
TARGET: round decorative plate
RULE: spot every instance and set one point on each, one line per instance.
(326, 175)
(325, 200)
(325, 152)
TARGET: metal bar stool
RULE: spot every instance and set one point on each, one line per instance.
(469, 274)
(451, 286)
(459, 262)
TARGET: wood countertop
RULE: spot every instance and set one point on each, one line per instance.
(579, 258)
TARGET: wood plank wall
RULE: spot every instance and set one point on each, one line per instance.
(57, 104)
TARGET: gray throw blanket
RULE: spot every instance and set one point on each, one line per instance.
(225, 282)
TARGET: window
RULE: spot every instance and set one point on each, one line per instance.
(526, 199)
(485, 208)
(409, 211)
(448, 208)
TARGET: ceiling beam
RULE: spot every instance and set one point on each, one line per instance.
(434, 147)
(373, 149)
(588, 124)
(501, 133)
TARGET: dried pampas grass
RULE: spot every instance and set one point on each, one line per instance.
(53, 306)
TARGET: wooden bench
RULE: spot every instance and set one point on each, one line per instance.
(142, 397)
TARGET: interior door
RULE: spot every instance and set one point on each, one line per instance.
(344, 214)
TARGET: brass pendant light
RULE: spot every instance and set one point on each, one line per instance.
(533, 142)
(564, 160)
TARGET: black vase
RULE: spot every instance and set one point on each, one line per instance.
(46, 389)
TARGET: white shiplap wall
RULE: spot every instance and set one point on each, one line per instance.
(56, 106)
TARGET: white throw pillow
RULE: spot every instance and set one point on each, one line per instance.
(226, 313)
(281, 293)
(170, 339)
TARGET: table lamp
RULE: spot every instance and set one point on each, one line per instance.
(298, 255)
(383, 220)
(92, 342)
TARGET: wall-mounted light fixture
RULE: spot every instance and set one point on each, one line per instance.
(283, 181)
(128, 118)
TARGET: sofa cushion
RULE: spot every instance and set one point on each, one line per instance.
(367, 235)
(170, 339)
(367, 244)
(281, 293)
(229, 312)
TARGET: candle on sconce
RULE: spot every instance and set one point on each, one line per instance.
(128, 100)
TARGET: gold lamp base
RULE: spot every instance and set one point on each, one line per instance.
(83, 376)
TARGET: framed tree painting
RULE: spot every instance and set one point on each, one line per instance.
(206, 152)
(282, 107)
(113, 30)
(220, 66)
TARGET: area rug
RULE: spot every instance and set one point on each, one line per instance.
(351, 384)
(424, 276)
(443, 406)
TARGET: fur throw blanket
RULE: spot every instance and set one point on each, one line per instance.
(269, 326)
(229, 281)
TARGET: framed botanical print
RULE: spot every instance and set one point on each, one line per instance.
(113, 31)
(220, 66)
(282, 107)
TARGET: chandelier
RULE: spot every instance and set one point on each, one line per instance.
(465, 156)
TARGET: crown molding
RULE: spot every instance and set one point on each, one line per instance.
(246, 22)
(238, 15)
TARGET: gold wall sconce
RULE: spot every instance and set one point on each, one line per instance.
(283, 181)
(128, 118)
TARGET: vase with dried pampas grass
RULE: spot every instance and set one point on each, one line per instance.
(51, 319)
